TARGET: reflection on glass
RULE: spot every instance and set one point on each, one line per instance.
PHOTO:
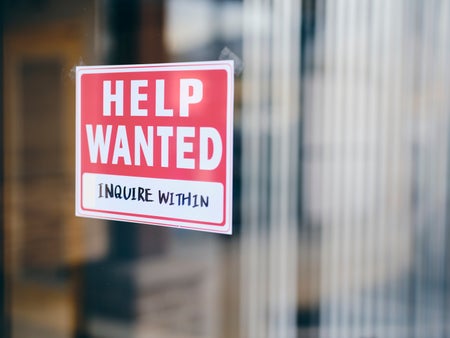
(340, 180)
(376, 166)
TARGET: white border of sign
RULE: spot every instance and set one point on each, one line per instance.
(228, 66)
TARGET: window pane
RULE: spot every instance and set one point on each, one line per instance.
(340, 185)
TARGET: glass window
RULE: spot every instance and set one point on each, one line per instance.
(340, 186)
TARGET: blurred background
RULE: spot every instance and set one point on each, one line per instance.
(341, 174)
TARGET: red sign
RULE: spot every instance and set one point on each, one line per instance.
(154, 144)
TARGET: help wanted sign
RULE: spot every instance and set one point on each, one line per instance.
(154, 144)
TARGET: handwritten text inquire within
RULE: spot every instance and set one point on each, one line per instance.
(144, 194)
